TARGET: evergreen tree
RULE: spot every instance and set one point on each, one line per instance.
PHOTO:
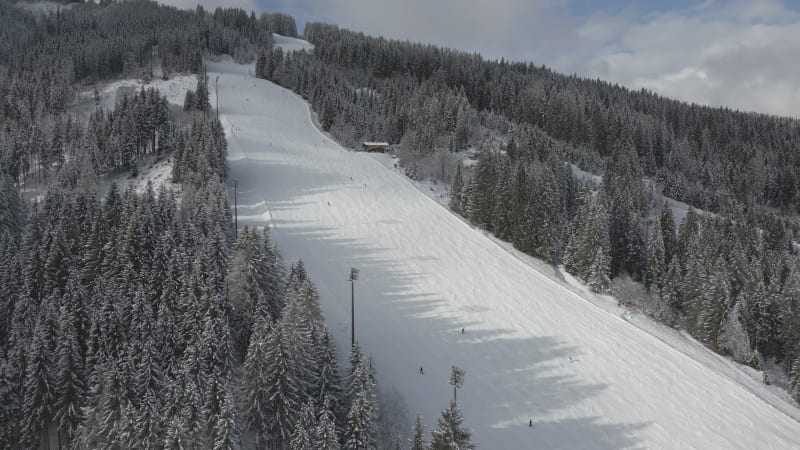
(735, 340)
(327, 437)
(37, 389)
(8, 407)
(269, 384)
(304, 436)
(449, 432)
(656, 259)
(329, 385)
(418, 440)
(687, 233)
(108, 422)
(68, 383)
(671, 293)
(258, 407)
(794, 380)
(714, 306)
(668, 233)
(360, 431)
(12, 211)
(456, 189)
(224, 434)
(597, 279)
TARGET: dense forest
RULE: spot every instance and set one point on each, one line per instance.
(142, 319)
(728, 273)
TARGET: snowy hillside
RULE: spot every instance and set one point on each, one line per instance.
(533, 347)
(173, 88)
(290, 44)
(44, 7)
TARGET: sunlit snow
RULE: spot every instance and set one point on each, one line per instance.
(425, 274)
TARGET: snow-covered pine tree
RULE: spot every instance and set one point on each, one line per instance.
(326, 434)
(597, 278)
(37, 389)
(283, 389)
(456, 190)
(418, 438)
(656, 259)
(329, 381)
(789, 317)
(224, 431)
(358, 434)
(360, 425)
(480, 198)
(69, 382)
(108, 420)
(735, 340)
(450, 432)
(305, 436)
(501, 214)
(794, 380)
(687, 234)
(245, 287)
(257, 407)
(714, 307)
(671, 292)
(9, 436)
(695, 282)
(668, 233)
(12, 209)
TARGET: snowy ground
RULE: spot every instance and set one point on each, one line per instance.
(679, 208)
(290, 44)
(159, 172)
(174, 89)
(425, 274)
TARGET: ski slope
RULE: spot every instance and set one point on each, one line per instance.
(425, 274)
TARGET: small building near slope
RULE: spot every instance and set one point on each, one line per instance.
(375, 147)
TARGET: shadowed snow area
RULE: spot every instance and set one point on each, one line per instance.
(425, 274)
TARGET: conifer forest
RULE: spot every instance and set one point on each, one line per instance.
(139, 316)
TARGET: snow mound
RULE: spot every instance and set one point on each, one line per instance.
(536, 347)
(290, 44)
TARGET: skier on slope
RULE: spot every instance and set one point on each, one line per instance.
(421, 372)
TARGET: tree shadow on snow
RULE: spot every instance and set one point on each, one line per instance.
(406, 323)
(510, 379)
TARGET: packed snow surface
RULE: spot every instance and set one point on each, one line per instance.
(534, 347)
(290, 44)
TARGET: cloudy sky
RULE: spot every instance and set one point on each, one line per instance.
(743, 54)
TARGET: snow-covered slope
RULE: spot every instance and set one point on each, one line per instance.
(290, 44)
(174, 89)
(425, 274)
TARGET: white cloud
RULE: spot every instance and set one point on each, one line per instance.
(742, 58)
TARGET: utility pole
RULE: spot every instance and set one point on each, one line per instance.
(235, 209)
(353, 278)
(216, 92)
